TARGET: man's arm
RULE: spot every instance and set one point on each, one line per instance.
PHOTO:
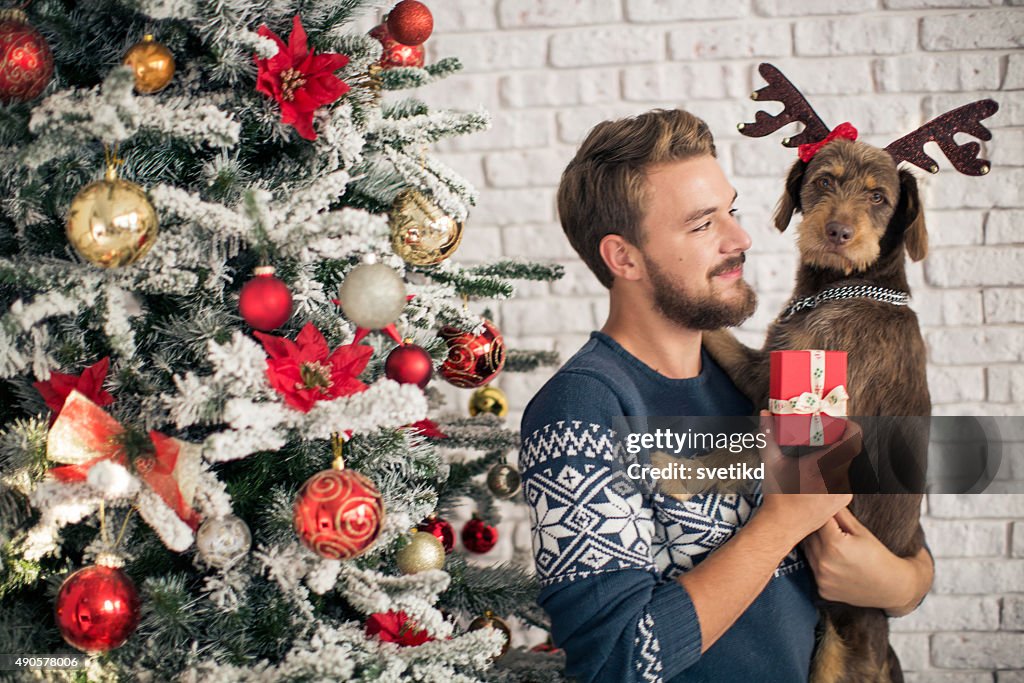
(727, 582)
(851, 565)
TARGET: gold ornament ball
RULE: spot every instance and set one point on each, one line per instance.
(488, 400)
(111, 222)
(152, 63)
(504, 480)
(421, 234)
(488, 620)
(423, 553)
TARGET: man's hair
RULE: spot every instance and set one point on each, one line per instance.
(604, 189)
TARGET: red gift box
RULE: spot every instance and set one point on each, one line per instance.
(808, 397)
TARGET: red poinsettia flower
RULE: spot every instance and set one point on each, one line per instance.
(299, 80)
(90, 384)
(396, 627)
(304, 371)
(427, 428)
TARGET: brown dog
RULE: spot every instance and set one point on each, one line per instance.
(861, 217)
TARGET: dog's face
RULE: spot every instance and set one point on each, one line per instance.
(855, 204)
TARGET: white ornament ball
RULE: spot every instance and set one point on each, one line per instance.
(223, 541)
(372, 296)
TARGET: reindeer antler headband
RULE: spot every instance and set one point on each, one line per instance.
(909, 148)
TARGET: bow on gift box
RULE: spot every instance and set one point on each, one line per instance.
(84, 434)
(812, 402)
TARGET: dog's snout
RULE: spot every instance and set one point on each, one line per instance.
(838, 233)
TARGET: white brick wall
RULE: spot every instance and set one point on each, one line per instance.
(548, 70)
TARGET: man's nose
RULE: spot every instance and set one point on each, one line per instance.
(736, 238)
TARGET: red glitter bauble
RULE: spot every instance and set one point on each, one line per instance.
(473, 359)
(410, 22)
(97, 608)
(265, 302)
(478, 536)
(338, 514)
(394, 53)
(409, 364)
(442, 529)
(27, 64)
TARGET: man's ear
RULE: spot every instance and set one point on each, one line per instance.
(790, 199)
(620, 257)
(909, 214)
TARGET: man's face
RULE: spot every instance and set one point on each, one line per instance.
(693, 248)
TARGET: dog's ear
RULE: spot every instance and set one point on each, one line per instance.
(790, 199)
(911, 216)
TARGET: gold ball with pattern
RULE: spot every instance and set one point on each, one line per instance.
(111, 222)
(422, 234)
(152, 63)
(488, 400)
(423, 553)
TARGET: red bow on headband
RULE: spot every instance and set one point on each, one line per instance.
(843, 130)
(83, 435)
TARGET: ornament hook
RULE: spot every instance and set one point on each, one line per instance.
(338, 447)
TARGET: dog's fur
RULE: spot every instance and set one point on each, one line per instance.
(851, 186)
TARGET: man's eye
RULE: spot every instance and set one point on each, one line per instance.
(735, 213)
(701, 228)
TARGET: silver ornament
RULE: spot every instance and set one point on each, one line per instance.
(223, 541)
(504, 480)
(372, 296)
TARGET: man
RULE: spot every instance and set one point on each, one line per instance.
(640, 585)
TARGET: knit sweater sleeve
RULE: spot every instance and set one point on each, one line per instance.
(592, 535)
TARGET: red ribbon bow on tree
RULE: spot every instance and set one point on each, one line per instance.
(83, 435)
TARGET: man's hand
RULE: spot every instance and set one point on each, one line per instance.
(797, 515)
(824, 470)
(851, 565)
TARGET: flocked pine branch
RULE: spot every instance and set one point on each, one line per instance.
(522, 360)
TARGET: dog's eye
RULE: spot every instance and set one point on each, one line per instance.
(877, 198)
(825, 183)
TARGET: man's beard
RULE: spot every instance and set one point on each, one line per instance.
(708, 312)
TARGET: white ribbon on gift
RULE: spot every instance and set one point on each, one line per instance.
(812, 402)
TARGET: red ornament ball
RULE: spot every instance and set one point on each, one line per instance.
(338, 514)
(473, 359)
(478, 536)
(410, 22)
(394, 53)
(409, 364)
(27, 65)
(442, 529)
(97, 608)
(265, 302)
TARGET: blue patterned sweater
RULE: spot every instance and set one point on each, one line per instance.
(608, 552)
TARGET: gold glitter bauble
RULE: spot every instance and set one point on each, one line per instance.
(420, 232)
(111, 222)
(152, 63)
(504, 481)
(488, 400)
(488, 620)
(424, 552)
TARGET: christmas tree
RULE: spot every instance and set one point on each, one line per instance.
(225, 285)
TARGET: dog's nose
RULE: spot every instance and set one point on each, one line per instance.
(838, 233)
